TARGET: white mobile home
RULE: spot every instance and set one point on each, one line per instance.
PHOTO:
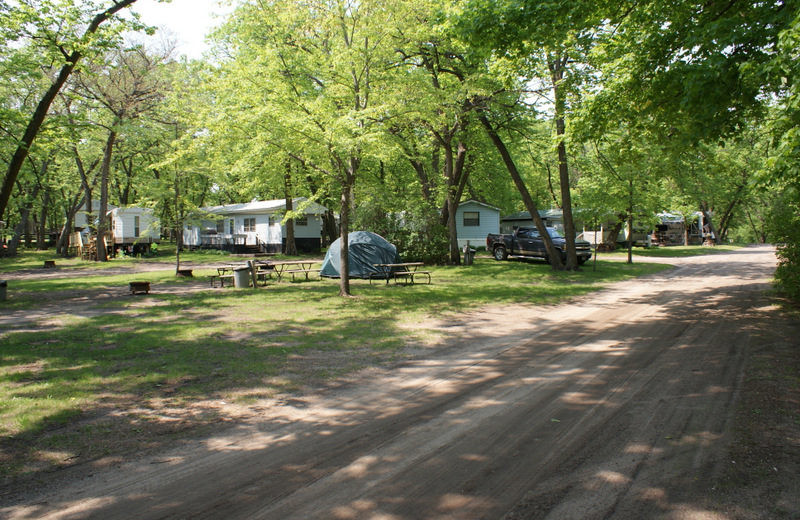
(84, 219)
(255, 227)
(475, 220)
(134, 229)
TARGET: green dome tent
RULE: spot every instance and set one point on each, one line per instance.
(365, 249)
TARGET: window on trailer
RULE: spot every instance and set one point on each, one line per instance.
(136, 226)
(249, 225)
(472, 218)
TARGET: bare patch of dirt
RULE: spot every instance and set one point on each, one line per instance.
(761, 477)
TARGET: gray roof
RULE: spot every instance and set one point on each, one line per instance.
(472, 201)
(262, 207)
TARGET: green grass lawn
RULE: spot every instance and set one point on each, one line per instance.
(137, 356)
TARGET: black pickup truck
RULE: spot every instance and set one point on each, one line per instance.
(528, 242)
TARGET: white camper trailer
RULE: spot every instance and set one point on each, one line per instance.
(134, 229)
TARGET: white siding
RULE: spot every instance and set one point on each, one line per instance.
(191, 235)
(275, 231)
(476, 235)
(312, 230)
(124, 225)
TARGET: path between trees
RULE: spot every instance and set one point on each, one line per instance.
(622, 404)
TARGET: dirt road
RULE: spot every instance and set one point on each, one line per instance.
(618, 405)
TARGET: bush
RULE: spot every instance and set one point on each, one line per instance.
(785, 228)
(418, 237)
(430, 246)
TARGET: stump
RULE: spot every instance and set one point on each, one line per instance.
(49, 264)
(139, 287)
(185, 272)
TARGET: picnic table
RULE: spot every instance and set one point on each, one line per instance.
(293, 267)
(264, 270)
(401, 271)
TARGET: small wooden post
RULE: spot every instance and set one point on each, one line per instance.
(253, 273)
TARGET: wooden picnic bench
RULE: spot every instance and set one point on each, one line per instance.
(294, 267)
(224, 272)
(263, 271)
(221, 277)
(406, 271)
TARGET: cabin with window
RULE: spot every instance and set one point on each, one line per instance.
(255, 227)
(475, 220)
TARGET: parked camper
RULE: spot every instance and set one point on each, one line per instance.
(134, 229)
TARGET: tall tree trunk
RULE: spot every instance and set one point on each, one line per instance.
(461, 178)
(105, 173)
(610, 243)
(530, 205)
(452, 204)
(35, 123)
(557, 64)
(29, 227)
(125, 189)
(22, 226)
(344, 225)
(423, 178)
(62, 246)
(291, 247)
(19, 231)
(758, 232)
(84, 173)
(630, 221)
(329, 227)
(41, 234)
(727, 215)
(178, 224)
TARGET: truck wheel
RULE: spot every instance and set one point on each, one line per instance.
(500, 253)
(582, 260)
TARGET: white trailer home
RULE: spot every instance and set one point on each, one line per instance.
(255, 227)
(475, 220)
(134, 229)
(85, 220)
